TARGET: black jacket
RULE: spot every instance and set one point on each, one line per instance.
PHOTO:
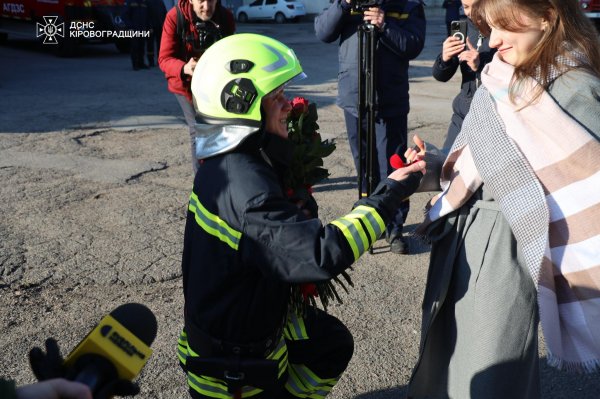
(444, 71)
(401, 40)
(245, 242)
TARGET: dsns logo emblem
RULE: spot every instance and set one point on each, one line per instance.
(50, 30)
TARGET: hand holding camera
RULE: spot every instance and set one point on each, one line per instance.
(188, 68)
(375, 16)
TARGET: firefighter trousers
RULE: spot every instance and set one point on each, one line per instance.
(313, 352)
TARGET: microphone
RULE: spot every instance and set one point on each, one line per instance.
(109, 357)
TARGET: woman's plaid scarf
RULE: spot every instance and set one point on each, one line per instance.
(543, 168)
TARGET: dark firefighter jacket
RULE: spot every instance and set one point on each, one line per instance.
(401, 40)
(174, 53)
(245, 242)
(444, 71)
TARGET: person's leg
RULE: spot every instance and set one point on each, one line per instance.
(150, 49)
(319, 350)
(352, 132)
(391, 138)
(204, 378)
(134, 50)
(158, 37)
(190, 119)
(140, 48)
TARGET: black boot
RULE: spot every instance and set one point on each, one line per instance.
(398, 244)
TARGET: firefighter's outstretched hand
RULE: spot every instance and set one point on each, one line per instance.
(403, 173)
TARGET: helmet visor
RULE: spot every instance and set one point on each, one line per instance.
(216, 139)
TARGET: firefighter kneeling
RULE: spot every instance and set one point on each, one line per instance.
(247, 245)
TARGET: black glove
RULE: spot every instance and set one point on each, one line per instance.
(389, 194)
(47, 365)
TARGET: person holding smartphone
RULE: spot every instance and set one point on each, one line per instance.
(471, 55)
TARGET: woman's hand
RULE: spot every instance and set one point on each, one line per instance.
(452, 46)
(417, 152)
(470, 56)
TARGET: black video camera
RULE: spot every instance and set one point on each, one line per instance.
(362, 5)
(208, 34)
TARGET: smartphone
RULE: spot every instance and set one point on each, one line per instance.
(459, 29)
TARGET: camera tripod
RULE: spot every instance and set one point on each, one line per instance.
(366, 105)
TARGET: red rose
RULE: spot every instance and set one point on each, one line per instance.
(396, 162)
(299, 106)
(308, 289)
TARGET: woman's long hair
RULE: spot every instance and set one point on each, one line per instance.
(569, 34)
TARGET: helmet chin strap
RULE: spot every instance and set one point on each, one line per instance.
(263, 127)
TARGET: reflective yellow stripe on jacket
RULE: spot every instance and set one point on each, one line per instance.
(213, 224)
(361, 227)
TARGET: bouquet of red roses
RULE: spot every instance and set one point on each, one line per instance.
(307, 169)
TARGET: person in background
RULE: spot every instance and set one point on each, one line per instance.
(157, 13)
(514, 235)
(400, 35)
(470, 57)
(201, 23)
(137, 19)
(453, 13)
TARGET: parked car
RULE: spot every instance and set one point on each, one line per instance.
(591, 8)
(276, 10)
